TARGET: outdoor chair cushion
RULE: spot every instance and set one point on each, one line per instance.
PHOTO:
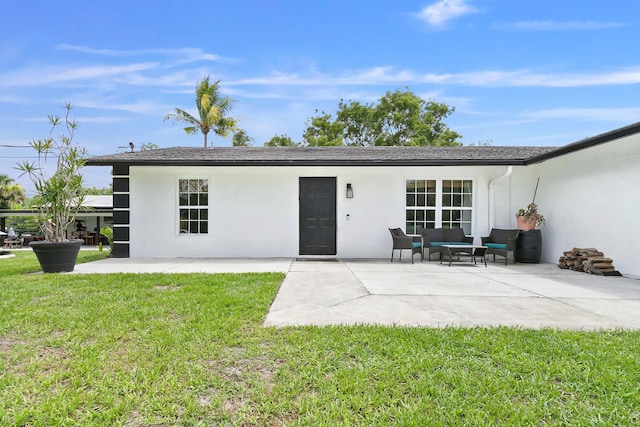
(437, 244)
(496, 245)
(417, 244)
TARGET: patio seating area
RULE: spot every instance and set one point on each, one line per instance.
(434, 238)
(15, 243)
(11, 240)
(442, 241)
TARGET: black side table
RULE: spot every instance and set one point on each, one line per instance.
(529, 246)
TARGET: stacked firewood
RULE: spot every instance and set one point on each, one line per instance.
(589, 260)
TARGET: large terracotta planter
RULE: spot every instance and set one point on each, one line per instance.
(57, 257)
(524, 225)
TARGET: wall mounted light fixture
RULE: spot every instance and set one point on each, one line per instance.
(349, 191)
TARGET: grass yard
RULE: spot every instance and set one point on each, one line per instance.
(154, 349)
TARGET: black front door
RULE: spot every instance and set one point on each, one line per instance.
(317, 216)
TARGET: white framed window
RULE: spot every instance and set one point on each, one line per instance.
(434, 203)
(193, 206)
(421, 205)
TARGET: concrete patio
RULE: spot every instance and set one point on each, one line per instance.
(422, 294)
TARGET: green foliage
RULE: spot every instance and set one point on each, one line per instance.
(23, 224)
(212, 112)
(108, 233)
(11, 195)
(481, 143)
(94, 191)
(360, 123)
(321, 131)
(190, 349)
(241, 139)
(59, 194)
(148, 146)
(406, 119)
(281, 141)
(399, 118)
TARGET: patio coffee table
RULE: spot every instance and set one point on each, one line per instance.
(466, 250)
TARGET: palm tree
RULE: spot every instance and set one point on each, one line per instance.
(10, 194)
(212, 111)
(241, 139)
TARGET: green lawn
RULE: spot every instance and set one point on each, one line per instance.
(154, 349)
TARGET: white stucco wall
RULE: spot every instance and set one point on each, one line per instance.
(590, 198)
(254, 210)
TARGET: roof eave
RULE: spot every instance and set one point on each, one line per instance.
(317, 162)
(587, 143)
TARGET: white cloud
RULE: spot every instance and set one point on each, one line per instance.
(179, 79)
(11, 100)
(378, 75)
(152, 109)
(484, 124)
(102, 119)
(439, 14)
(370, 76)
(459, 102)
(592, 114)
(526, 78)
(279, 79)
(50, 75)
(146, 108)
(557, 26)
(185, 55)
(567, 136)
(483, 78)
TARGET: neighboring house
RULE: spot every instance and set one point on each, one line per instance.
(98, 213)
(294, 202)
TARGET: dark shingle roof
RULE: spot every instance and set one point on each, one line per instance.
(355, 156)
(326, 156)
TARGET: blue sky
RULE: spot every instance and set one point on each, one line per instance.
(523, 72)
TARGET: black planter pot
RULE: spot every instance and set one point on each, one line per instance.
(57, 257)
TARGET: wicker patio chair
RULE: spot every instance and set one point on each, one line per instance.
(402, 241)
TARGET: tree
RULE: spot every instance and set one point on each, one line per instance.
(10, 194)
(281, 141)
(481, 143)
(399, 118)
(359, 122)
(148, 146)
(322, 131)
(95, 191)
(241, 139)
(59, 192)
(212, 112)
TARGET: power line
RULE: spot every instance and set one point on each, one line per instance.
(17, 157)
(15, 146)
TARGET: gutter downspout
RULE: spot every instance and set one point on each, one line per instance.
(492, 196)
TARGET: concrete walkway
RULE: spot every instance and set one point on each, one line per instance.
(423, 294)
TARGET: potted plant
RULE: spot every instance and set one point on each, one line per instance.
(59, 193)
(530, 218)
(108, 233)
